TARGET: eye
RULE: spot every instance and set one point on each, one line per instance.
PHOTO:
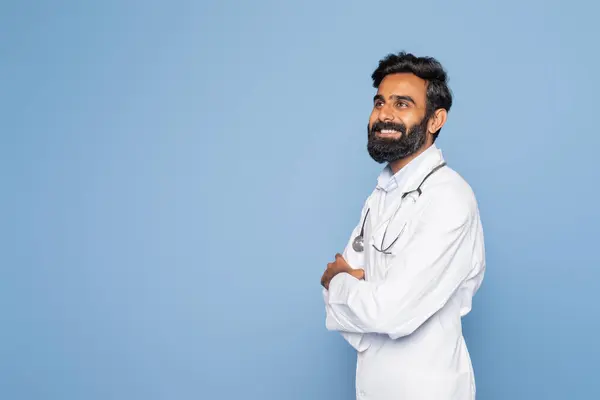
(378, 103)
(402, 104)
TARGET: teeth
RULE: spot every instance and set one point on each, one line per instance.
(388, 131)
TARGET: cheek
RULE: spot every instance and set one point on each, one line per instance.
(409, 120)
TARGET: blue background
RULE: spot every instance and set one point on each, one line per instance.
(176, 175)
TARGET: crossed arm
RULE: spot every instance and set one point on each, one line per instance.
(431, 267)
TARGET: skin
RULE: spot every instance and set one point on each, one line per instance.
(402, 98)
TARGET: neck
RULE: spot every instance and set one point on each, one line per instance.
(397, 165)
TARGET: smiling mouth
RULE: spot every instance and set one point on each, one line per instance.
(388, 133)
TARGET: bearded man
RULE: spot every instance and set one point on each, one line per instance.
(416, 257)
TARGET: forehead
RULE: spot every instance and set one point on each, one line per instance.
(404, 84)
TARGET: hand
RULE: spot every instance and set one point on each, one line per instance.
(339, 266)
(358, 273)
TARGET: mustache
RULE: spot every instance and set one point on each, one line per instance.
(379, 126)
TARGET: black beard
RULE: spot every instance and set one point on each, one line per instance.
(388, 150)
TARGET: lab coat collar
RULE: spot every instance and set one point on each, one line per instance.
(429, 159)
(419, 168)
(414, 170)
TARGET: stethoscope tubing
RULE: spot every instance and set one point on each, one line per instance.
(358, 243)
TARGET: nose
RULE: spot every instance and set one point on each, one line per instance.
(385, 114)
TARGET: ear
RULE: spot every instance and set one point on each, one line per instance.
(437, 120)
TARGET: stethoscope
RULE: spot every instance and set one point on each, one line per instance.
(358, 243)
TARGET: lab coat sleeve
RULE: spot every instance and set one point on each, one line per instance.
(428, 270)
(355, 339)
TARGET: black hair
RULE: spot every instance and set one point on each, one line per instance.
(426, 68)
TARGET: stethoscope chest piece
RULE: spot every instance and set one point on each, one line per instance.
(358, 244)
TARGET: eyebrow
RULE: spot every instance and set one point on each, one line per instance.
(395, 97)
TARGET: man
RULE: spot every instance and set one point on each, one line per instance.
(416, 258)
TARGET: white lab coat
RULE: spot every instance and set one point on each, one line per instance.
(404, 319)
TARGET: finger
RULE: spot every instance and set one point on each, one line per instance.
(324, 281)
(327, 280)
